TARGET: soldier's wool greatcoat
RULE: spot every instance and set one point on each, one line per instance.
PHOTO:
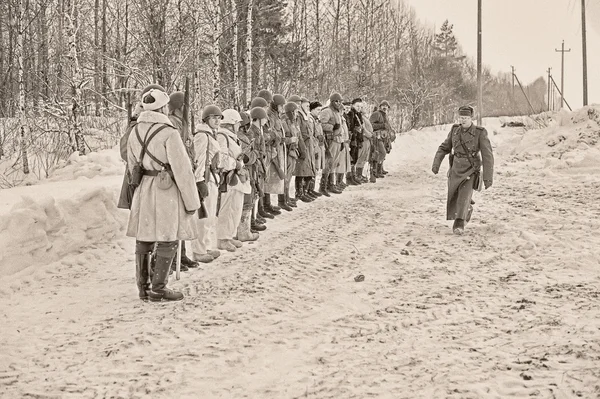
(471, 149)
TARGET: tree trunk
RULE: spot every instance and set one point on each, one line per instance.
(105, 82)
(216, 51)
(20, 65)
(236, 63)
(76, 81)
(97, 76)
(249, 52)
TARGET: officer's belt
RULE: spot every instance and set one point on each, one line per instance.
(459, 155)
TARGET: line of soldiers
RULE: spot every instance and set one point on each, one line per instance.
(214, 188)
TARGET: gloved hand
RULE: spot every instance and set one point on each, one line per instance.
(321, 139)
(202, 189)
(487, 184)
(435, 169)
(336, 126)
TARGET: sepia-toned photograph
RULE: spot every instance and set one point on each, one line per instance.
(288, 199)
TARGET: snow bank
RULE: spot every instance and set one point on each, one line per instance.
(102, 163)
(44, 229)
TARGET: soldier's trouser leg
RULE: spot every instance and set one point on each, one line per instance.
(207, 239)
(230, 214)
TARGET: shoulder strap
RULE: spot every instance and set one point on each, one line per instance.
(207, 162)
(226, 137)
(462, 143)
(160, 128)
(144, 144)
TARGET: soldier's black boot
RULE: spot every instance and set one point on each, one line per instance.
(383, 171)
(159, 291)
(262, 212)
(282, 203)
(185, 261)
(323, 185)
(310, 188)
(255, 224)
(373, 177)
(379, 170)
(359, 175)
(304, 197)
(459, 227)
(332, 187)
(340, 182)
(142, 274)
(268, 207)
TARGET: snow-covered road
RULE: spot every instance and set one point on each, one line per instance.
(510, 309)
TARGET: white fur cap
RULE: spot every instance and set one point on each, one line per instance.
(160, 100)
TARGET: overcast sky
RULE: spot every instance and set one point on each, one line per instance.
(525, 34)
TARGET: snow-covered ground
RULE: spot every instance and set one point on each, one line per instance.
(510, 309)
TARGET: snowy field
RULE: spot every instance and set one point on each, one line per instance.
(510, 309)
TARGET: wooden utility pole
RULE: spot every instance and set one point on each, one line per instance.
(512, 68)
(585, 94)
(549, 86)
(479, 82)
(562, 73)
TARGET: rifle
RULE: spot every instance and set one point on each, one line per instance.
(129, 112)
(185, 110)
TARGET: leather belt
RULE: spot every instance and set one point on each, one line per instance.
(459, 155)
(151, 172)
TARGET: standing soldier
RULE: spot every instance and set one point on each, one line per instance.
(464, 144)
(331, 122)
(259, 137)
(292, 132)
(177, 119)
(162, 212)
(364, 153)
(274, 182)
(356, 128)
(209, 161)
(384, 133)
(235, 184)
(258, 115)
(306, 168)
(250, 156)
(315, 109)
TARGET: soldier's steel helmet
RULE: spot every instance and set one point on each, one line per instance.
(335, 97)
(278, 99)
(266, 94)
(258, 102)
(211, 110)
(290, 107)
(258, 113)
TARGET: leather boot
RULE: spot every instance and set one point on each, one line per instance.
(255, 224)
(268, 207)
(383, 171)
(311, 188)
(303, 196)
(340, 180)
(243, 232)
(323, 185)
(332, 187)
(373, 178)
(282, 204)
(185, 261)
(378, 171)
(159, 291)
(459, 227)
(142, 274)
(350, 179)
(359, 175)
(262, 212)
